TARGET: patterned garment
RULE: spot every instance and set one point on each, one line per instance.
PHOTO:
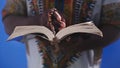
(19, 7)
(75, 11)
(111, 12)
(85, 10)
(79, 60)
(15, 7)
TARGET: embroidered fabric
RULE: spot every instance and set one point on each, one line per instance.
(83, 11)
(73, 9)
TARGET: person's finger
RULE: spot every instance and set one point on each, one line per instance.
(58, 16)
(62, 25)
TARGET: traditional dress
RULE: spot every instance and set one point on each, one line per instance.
(75, 11)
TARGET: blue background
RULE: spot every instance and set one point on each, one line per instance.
(12, 53)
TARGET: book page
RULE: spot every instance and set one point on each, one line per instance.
(87, 27)
(24, 30)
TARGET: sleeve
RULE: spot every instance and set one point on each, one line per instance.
(14, 7)
(111, 12)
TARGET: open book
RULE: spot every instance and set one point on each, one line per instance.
(87, 27)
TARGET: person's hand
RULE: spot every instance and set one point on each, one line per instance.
(55, 21)
(59, 18)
